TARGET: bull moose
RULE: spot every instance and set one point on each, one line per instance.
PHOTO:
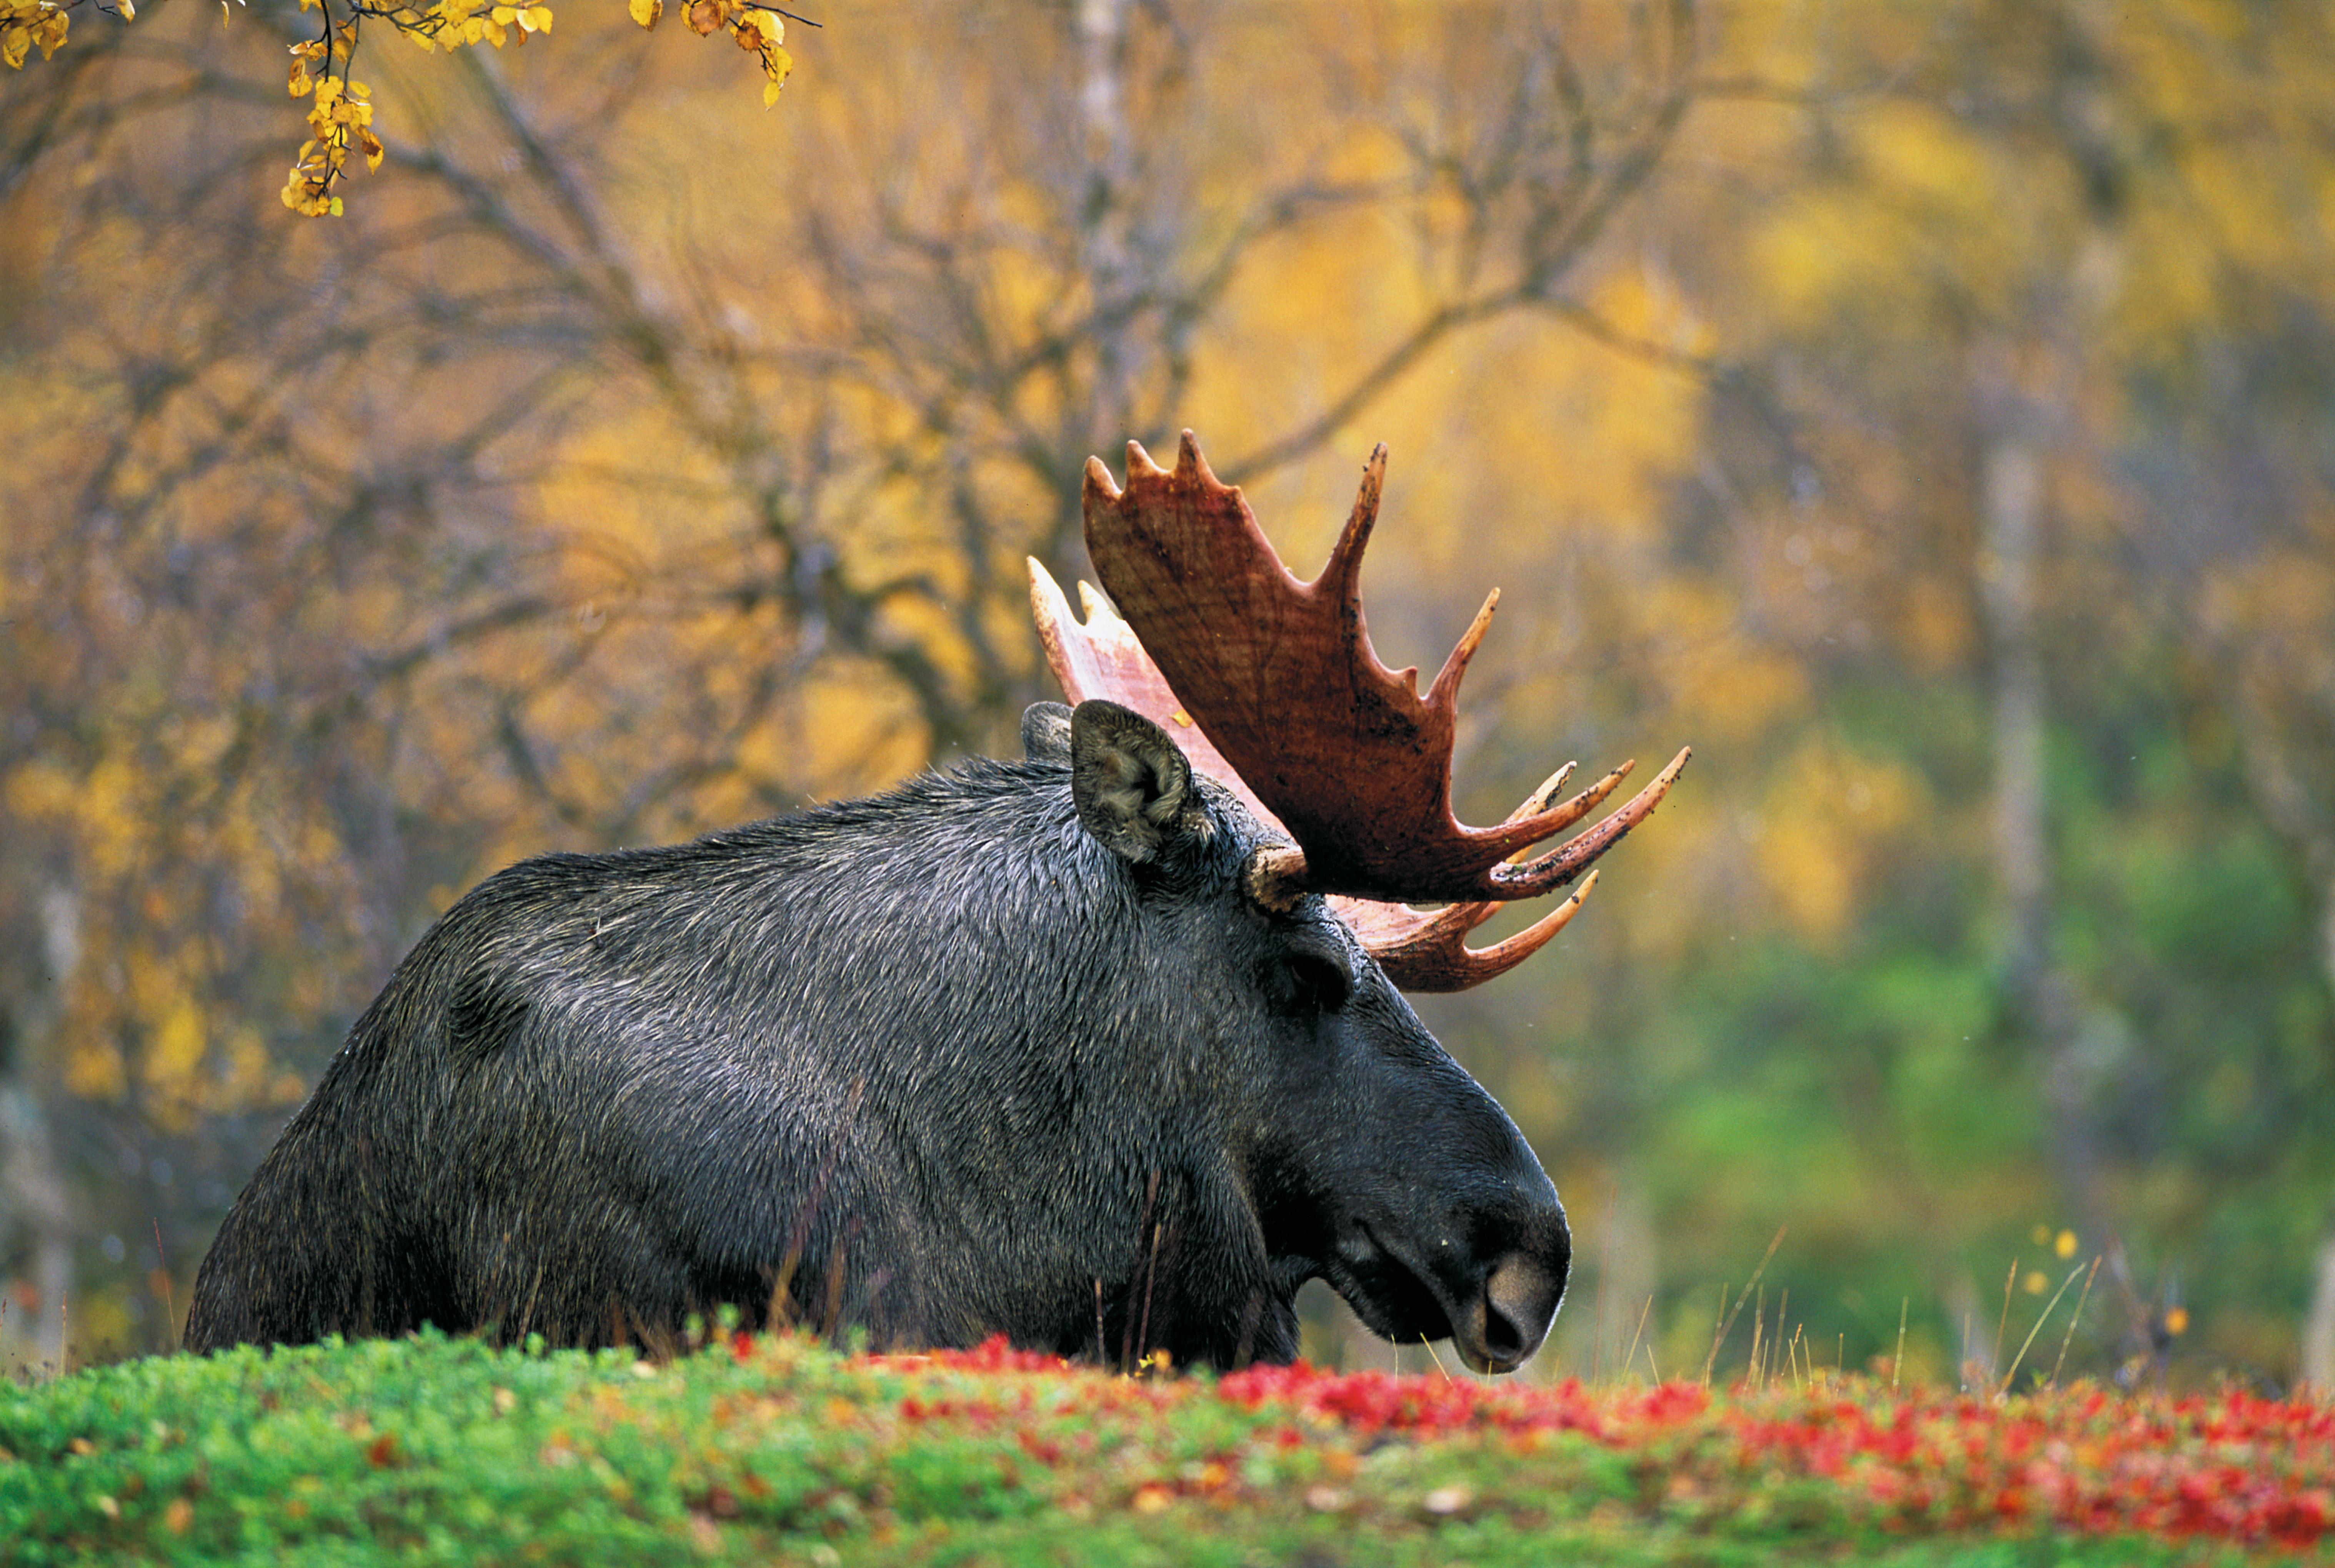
(1104, 1049)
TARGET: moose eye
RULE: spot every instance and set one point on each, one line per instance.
(1317, 983)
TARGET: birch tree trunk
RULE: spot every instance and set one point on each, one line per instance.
(32, 1189)
(2076, 1046)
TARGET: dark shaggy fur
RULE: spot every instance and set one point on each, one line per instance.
(935, 1064)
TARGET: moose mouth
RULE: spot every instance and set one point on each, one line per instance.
(1401, 1301)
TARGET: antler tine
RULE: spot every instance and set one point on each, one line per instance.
(1430, 952)
(1341, 576)
(1547, 873)
(1445, 689)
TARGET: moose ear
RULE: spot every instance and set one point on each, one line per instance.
(1128, 780)
(1046, 733)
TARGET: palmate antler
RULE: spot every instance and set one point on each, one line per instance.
(1295, 713)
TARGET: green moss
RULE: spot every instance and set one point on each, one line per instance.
(444, 1451)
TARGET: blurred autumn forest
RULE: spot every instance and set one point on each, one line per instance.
(1926, 408)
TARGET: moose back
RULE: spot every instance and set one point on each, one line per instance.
(1071, 1048)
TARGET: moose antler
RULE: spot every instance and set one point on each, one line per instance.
(1295, 713)
(1420, 951)
(1282, 677)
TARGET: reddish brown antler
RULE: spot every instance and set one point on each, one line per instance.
(1281, 676)
(1420, 949)
(1288, 696)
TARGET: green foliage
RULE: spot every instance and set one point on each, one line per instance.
(437, 1451)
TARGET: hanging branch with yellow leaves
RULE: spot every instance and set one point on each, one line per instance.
(760, 28)
(26, 22)
(341, 118)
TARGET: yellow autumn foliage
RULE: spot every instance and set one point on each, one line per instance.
(1827, 821)
(625, 468)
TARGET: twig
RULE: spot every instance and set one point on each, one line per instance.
(170, 1296)
(1150, 1278)
(1127, 1337)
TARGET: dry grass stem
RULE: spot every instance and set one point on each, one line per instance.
(1900, 1361)
(1631, 1359)
(1994, 1356)
(1604, 1272)
(2073, 1321)
(2004, 1386)
(1783, 1309)
(1728, 1321)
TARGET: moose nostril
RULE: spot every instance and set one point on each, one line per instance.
(1519, 1301)
(1502, 1339)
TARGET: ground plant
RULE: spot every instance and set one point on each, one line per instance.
(777, 1449)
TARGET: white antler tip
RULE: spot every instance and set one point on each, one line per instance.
(1097, 608)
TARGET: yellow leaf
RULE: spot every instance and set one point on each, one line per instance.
(770, 93)
(503, 14)
(647, 11)
(538, 18)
